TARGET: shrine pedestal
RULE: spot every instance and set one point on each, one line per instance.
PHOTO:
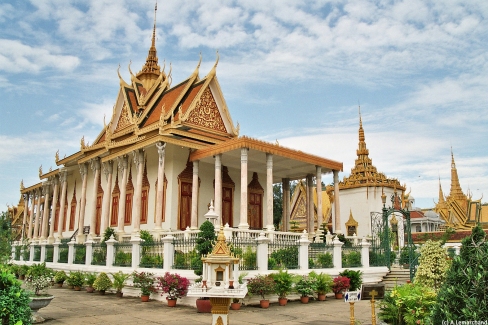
(220, 310)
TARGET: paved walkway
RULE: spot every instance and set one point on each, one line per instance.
(78, 307)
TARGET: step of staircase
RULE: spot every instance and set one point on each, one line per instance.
(396, 277)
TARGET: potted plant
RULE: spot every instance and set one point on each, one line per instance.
(38, 278)
(205, 240)
(174, 285)
(261, 285)
(283, 285)
(235, 304)
(144, 281)
(324, 284)
(102, 283)
(60, 277)
(77, 279)
(23, 271)
(306, 287)
(13, 299)
(341, 283)
(355, 280)
(89, 280)
(119, 282)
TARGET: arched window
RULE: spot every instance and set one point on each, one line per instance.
(72, 210)
(98, 213)
(115, 202)
(128, 200)
(144, 196)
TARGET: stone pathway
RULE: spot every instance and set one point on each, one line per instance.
(78, 307)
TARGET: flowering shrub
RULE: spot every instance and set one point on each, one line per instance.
(143, 281)
(341, 283)
(409, 304)
(261, 285)
(174, 285)
(306, 286)
(433, 265)
(39, 277)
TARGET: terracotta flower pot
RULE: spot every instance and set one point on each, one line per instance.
(282, 301)
(321, 297)
(304, 299)
(171, 302)
(89, 289)
(235, 305)
(203, 305)
(119, 294)
(59, 285)
(102, 292)
(264, 303)
(144, 298)
(339, 295)
(77, 288)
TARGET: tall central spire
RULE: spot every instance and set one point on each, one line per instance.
(456, 191)
(151, 67)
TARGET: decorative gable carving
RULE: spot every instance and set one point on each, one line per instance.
(124, 119)
(206, 113)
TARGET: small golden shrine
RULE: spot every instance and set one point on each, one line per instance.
(351, 225)
(219, 280)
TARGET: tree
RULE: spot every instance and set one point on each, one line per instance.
(433, 265)
(277, 204)
(5, 238)
(463, 294)
(205, 240)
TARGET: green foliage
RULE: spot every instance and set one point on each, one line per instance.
(347, 242)
(77, 278)
(261, 285)
(90, 278)
(39, 277)
(351, 259)
(324, 282)
(340, 284)
(123, 259)
(23, 269)
(99, 256)
(80, 254)
(108, 233)
(60, 276)
(463, 295)
(63, 255)
(283, 283)
(355, 279)
(433, 265)
(409, 304)
(102, 282)
(249, 258)
(325, 260)
(143, 281)
(119, 280)
(277, 205)
(286, 258)
(205, 239)
(14, 301)
(190, 260)
(151, 261)
(306, 286)
(5, 238)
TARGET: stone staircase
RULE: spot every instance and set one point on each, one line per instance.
(397, 276)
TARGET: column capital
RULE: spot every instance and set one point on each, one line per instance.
(108, 168)
(161, 148)
(63, 174)
(122, 162)
(83, 170)
(138, 157)
(45, 187)
(95, 164)
(269, 161)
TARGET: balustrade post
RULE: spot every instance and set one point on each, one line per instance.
(31, 254)
(43, 251)
(71, 251)
(169, 252)
(110, 251)
(365, 252)
(227, 232)
(186, 233)
(13, 252)
(136, 251)
(56, 244)
(89, 251)
(329, 238)
(337, 253)
(303, 251)
(271, 234)
(262, 252)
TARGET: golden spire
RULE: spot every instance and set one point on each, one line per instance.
(151, 66)
(456, 191)
(441, 194)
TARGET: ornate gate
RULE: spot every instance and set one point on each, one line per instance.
(380, 248)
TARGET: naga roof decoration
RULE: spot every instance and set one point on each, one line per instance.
(364, 174)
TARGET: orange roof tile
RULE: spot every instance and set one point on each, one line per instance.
(189, 99)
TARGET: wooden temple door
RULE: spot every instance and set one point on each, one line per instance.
(185, 205)
(98, 218)
(227, 199)
(255, 214)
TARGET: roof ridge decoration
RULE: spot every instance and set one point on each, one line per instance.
(364, 173)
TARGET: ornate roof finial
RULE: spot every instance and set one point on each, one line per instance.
(82, 142)
(214, 69)
(130, 71)
(151, 66)
(22, 185)
(40, 171)
(56, 156)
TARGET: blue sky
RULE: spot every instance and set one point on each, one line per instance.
(294, 71)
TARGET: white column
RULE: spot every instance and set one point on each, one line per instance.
(160, 190)
(26, 209)
(123, 163)
(269, 192)
(136, 208)
(168, 251)
(95, 166)
(35, 235)
(303, 251)
(320, 218)
(337, 210)
(286, 204)
(45, 211)
(81, 220)
(64, 186)
(243, 214)
(218, 187)
(194, 197)
(262, 252)
(337, 259)
(31, 214)
(107, 195)
(53, 209)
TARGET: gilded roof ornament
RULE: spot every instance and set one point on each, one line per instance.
(238, 127)
(82, 142)
(214, 69)
(56, 156)
(40, 171)
(22, 185)
(195, 73)
(130, 71)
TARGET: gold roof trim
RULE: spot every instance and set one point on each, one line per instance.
(246, 142)
(91, 156)
(49, 174)
(73, 157)
(31, 188)
(195, 136)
